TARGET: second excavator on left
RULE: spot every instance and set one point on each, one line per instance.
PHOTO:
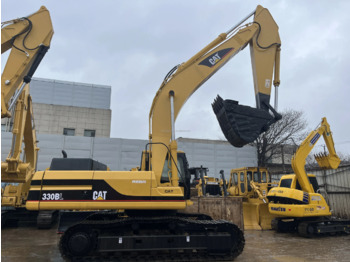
(150, 226)
(29, 39)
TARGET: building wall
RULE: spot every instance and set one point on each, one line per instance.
(52, 119)
(63, 104)
(124, 154)
(66, 93)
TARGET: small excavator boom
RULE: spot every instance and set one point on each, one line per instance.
(326, 161)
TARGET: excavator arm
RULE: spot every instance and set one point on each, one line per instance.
(330, 160)
(29, 39)
(240, 124)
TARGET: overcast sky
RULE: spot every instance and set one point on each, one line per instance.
(131, 45)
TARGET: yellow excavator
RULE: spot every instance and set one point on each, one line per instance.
(29, 39)
(151, 226)
(252, 184)
(297, 202)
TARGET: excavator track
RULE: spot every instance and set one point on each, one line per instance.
(310, 229)
(313, 227)
(107, 237)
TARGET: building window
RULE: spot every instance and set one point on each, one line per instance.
(89, 133)
(68, 131)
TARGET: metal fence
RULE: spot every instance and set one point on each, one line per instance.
(335, 187)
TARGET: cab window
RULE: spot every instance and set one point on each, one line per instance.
(314, 183)
(166, 175)
(286, 183)
(264, 177)
(235, 178)
(181, 167)
(249, 178)
(256, 177)
(241, 177)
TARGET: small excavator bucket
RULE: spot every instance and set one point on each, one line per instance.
(326, 161)
(241, 124)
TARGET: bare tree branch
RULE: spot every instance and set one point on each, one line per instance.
(290, 130)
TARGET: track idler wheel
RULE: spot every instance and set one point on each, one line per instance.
(241, 124)
(305, 229)
(77, 242)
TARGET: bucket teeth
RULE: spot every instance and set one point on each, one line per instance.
(241, 124)
(326, 161)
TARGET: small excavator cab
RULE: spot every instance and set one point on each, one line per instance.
(242, 124)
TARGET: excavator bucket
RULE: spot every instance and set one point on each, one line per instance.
(327, 161)
(241, 124)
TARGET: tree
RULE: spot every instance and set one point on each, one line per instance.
(289, 131)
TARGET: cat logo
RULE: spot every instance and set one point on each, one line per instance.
(99, 195)
(214, 59)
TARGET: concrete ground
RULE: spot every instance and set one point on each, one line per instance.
(31, 244)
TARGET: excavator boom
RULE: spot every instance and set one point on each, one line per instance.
(240, 124)
(29, 39)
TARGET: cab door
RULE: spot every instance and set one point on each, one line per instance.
(242, 183)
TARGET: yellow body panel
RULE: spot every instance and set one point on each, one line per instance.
(307, 210)
(131, 191)
(316, 206)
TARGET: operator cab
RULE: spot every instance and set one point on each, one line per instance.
(290, 181)
(182, 166)
(240, 178)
